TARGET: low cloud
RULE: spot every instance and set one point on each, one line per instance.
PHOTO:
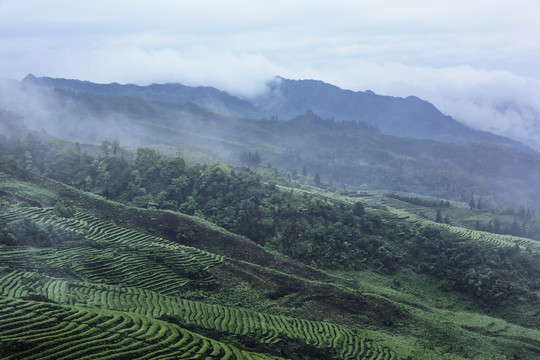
(495, 101)
(56, 114)
(242, 74)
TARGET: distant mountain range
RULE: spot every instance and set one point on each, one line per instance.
(343, 139)
(285, 99)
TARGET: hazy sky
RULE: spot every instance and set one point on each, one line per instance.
(471, 58)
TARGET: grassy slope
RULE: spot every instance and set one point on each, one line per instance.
(407, 312)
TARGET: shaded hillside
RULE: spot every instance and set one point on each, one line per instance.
(87, 265)
(355, 155)
(99, 279)
(408, 117)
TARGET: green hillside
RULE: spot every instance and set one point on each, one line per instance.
(167, 222)
(257, 271)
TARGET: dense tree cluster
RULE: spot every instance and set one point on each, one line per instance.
(250, 158)
(421, 201)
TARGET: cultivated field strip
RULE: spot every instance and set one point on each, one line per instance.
(128, 267)
(263, 327)
(118, 269)
(45, 331)
(495, 239)
(102, 231)
(115, 255)
(106, 232)
(401, 209)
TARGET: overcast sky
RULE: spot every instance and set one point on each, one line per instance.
(472, 59)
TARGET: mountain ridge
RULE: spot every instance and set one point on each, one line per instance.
(408, 117)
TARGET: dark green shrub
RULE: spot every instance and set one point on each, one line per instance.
(6, 237)
(63, 211)
(29, 233)
(358, 209)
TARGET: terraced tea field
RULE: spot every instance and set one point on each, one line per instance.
(40, 330)
(495, 239)
(266, 328)
(97, 290)
(115, 293)
(419, 214)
